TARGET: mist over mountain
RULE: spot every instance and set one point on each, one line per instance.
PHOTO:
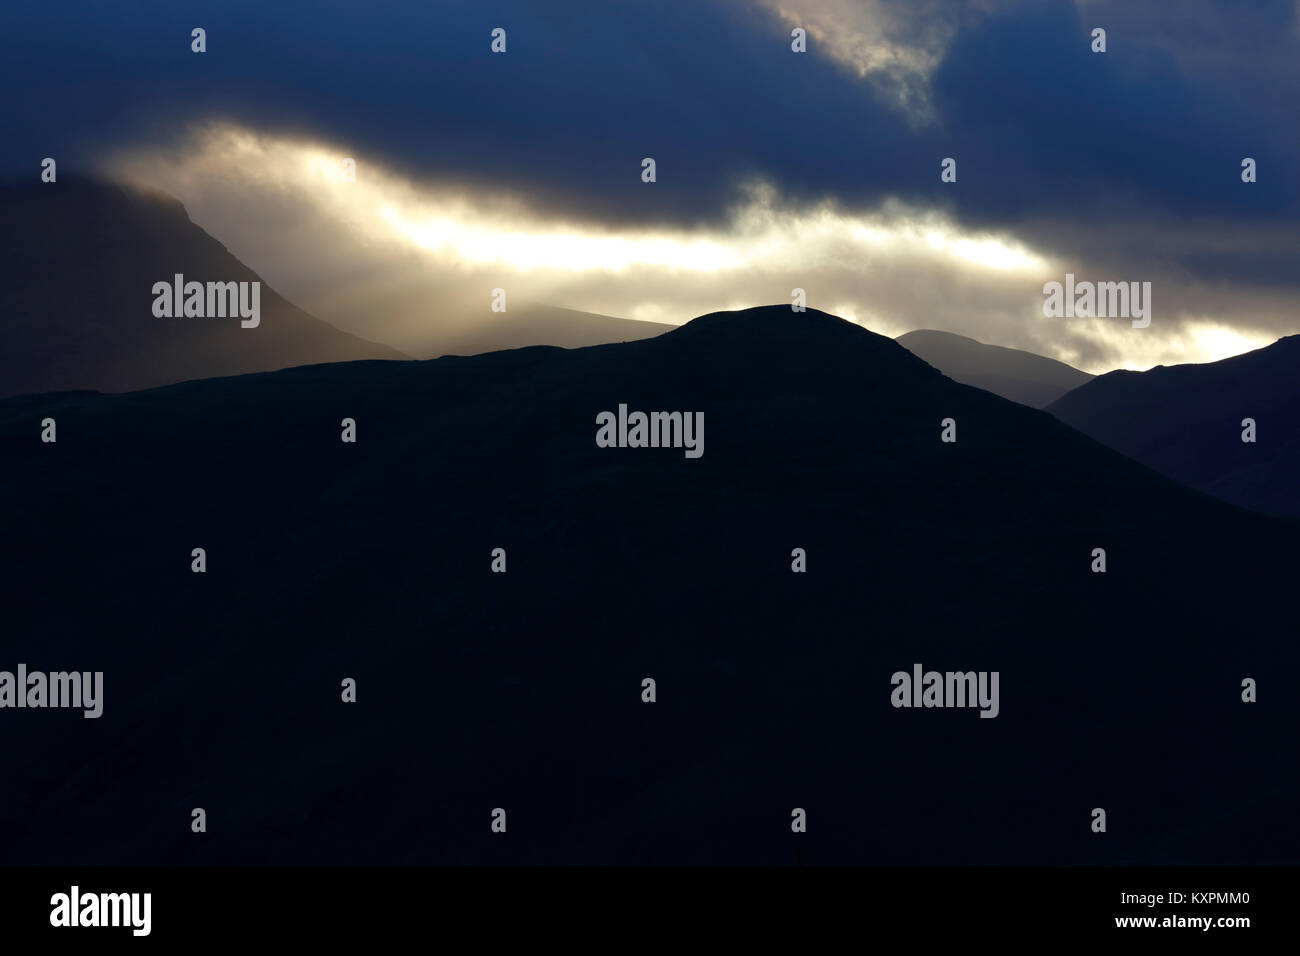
(1012, 373)
(80, 260)
(523, 690)
(528, 324)
(1187, 421)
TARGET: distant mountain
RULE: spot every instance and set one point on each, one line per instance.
(1020, 376)
(373, 561)
(542, 325)
(78, 262)
(1186, 421)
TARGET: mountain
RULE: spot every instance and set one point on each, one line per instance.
(1186, 421)
(80, 259)
(542, 325)
(1020, 376)
(373, 561)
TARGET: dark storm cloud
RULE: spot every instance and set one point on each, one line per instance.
(1135, 153)
(1119, 156)
(709, 88)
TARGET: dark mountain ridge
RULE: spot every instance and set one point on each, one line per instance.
(1186, 421)
(80, 260)
(1020, 376)
(522, 690)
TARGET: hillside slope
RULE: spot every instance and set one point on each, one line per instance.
(1021, 376)
(78, 263)
(522, 690)
(1186, 421)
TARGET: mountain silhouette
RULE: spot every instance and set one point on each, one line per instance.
(1187, 422)
(1020, 376)
(522, 326)
(80, 262)
(522, 690)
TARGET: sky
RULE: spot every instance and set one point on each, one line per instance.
(775, 170)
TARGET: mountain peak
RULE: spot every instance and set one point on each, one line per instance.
(810, 343)
(774, 322)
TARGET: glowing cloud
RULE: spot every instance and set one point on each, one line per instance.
(411, 263)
